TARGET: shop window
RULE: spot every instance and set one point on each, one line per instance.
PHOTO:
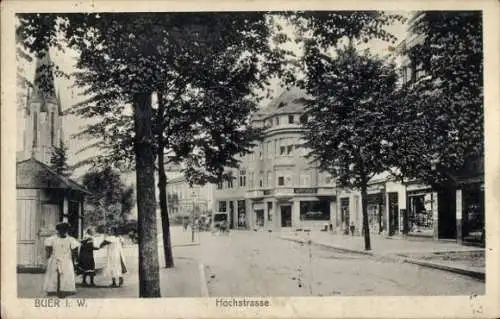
(315, 210)
(420, 218)
(222, 206)
(242, 220)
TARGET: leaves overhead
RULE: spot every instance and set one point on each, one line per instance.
(444, 126)
(349, 114)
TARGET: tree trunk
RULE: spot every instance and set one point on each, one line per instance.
(364, 207)
(149, 275)
(162, 186)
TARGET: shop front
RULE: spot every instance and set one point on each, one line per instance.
(377, 220)
(420, 212)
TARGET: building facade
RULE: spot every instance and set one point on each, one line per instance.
(181, 199)
(276, 186)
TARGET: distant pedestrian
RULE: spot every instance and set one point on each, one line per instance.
(224, 228)
(352, 228)
(61, 252)
(86, 262)
(115, 262)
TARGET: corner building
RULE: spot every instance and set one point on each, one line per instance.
(275, 186)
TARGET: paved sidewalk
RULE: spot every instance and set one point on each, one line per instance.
(448, 256)
(184, 280)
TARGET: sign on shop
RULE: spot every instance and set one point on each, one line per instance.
(305, 190)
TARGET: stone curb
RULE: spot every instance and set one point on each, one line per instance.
(185, 245)
(454, 269)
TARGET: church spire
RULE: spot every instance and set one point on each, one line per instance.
(44, 89)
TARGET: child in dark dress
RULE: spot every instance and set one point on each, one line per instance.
(86, 262)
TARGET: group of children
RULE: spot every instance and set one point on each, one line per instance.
(68, 257)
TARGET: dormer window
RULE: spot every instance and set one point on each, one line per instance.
(290, 119)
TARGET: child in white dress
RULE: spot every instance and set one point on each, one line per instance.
(115, 262)
(61, 254)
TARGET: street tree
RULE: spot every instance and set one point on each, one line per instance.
(126, 57)
(441, 105)
(347, 133)
(191, 104)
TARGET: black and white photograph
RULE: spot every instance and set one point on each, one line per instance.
(241, 155)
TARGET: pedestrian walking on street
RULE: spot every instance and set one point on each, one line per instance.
(115, 263)
(61, 252)
(86, 262)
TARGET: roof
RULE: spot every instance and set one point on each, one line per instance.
(32, 173)
(292, 100)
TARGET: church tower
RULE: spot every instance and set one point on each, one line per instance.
(43, 114)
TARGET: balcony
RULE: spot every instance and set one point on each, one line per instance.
(255, 194)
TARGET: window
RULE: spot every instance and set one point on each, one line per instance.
(35, 129)
(303, 119)
(275, 147)
(230, 183)
(222, 206)
(219, 185)
(281, 180)
(260, 154)
(290, 119)
(277, 120)
(289, 149)
(269, 150)
(269, 211)
(315, 210)
(261, 179)
(52, 128)
(243, 178)
(282, 150)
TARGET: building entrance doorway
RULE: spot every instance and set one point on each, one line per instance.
(259, 217)
(286, 216)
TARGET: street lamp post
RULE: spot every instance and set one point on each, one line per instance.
(193, 196)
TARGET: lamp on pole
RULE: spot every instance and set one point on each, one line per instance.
(194, 194)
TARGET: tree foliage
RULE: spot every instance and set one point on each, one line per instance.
(112, 200)
(349, 109)
(59, 159)
(444, 98)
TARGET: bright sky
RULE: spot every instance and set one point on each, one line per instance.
(69, 96)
